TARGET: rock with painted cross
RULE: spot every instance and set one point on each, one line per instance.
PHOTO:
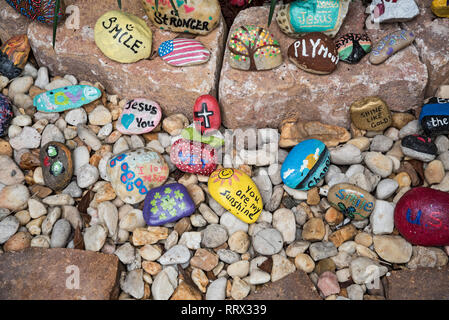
(167, 203)
(139, 116)
(193, 157)
(206, 114)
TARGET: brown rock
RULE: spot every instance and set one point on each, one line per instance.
(183, 225)
(346, 233)
(40, 191)
(105, 193)
(19, 241)
(150, 235)
(403, 179)
(151, 267)
(313, 230)
(204, 260)
(434, 172)
(325, 265)
(333, 216)
(400, 119)
(186, 292)
(409, 169)
(313, 197)
(5, 148)
(12, 23)
(29, 160)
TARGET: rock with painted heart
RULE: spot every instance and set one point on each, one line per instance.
(237, 193)
(167, 203)
(215, 139)
(192, 16)
(123, 37)
(314, 52)
(303, 16)
(66, 98)
(206, 114)
(14, 55)
(6, 114)
(254, 48)
(419, 147)
(440, 8)
(42, 10)
(57, 165)
(370, 113)
(134, 172)
(390, 44)
(422, 217)
(352, 47)
(393, 11)
(354, 202)
(193, 157)
(139, 116)
(305, 165)
(183, 52)
(434, 117)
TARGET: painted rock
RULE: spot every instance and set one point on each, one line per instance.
(123, 37)
(182, 52)
(393, 10)
(167, 203)
(306, 164)
(57, 165)
(440, 8)
(193, 16)
(139, 116)
(434, 117)
(6, 114)
(315, 53)
(254, 48)
(214, 139)
(134, 172)
(206, 111)
(352, 47)
(352, 201)
(42, 10)
(370, 113)
(422, 217)
(193, 157)
(66, 98)
(419, 147)
(303, 16)
(237, 193)
(14, 55)
(390, 44)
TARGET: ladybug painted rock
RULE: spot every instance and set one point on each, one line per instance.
(206, 111)
(193, 157)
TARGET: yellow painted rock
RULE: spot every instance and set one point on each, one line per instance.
(440, 8)
(194, 16)
(237, 193)
(370, 113)
(123, 37)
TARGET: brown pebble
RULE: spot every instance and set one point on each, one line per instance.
(19, 241)
(342, 235)
(400, 119)
(313, 197)
(333, 216)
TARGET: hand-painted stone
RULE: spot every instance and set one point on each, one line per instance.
(193, 157)
(66, 98)
(237, 193)
(254, 48)
(57, 165)
(206, 111)
(370, 113)
(14, 55)
(41, 10)
(167, 203)
(6, 114)
(214, 139)
(182, 52)
(303, 16)
(352, 47)
(306, 164)
(193, 16)
(434, 117)
(393, 10)
(440, 8)
(123, 37)
(422, 217)
(139, 116)
(419, 147)
(314, 52)
(390, 44)
(134, 172)
(354, 202)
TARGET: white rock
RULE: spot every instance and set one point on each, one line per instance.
(345, 155)
(150, 252)
(88, 137)
(126, 253)
(60, 234)
(3, 82)
(178, 254)
(382, 217)
(29, 138)
(20, 85)
(95, 237)
(52, 133)
(258, 277)
(132, 220)
(100, 116)
(73, 190)
(87, 176)
(232, 223)
(191, 240)
(267, 241)
(108, 214)
(57, 83)
(238, 269)
(133, 284)
(284, 221)
(36, 208)
(105, 131)
(296, 194)
(75, 117)
(42, 78)
(364, 270)
(120, 145)
(386, 188)
(71, 78)
(381, 143)
(81, 157)
(413, 127)
(217, 289)
(379, 164)
(164, 284)
(8, 227)
(355, 292)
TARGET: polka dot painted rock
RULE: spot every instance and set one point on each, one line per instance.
(14, 55)
(166, 204)
(57, 165)
(422, 217)
(237, 193)
(434, 116)
(182, 52)
(139, 116)
(390, 44)
(440, 8)
(306, 164)
(42, 11)
(354, 202)
(352, 47)
(193, 157)
(134, 172)
(419, 147)
(206, 112)
(6, 114)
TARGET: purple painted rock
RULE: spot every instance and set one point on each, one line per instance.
(422, 217)
(139, 116)
(193, 157)
(206, 111)
(166, 204)
(5, 114)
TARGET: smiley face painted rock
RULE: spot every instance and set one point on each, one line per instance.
(139, 116)
(306, 164)
(6, 114)
(352, 47)
(57, 165)
(390, 44)
(134, 172)
(42, 10)
(193, 157)
(66, 98)
(237, 193)
(206, 114)
(354, 202)
(14, 55)
(422, 217)
(434, 117)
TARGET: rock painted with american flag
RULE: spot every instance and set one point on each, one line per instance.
(182, 52)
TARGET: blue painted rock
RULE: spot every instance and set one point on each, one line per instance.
(167, 203)
(434, 117)
(352, 47)
(422, 217)
(206, 112)
(193, 157)
(57, 165)
(182, 52)
(66, 98)
(5, 114)
(306, 164)
(14, 55)
(134, 172)
(390, 44)
(354, 202)
(419, 147)
(42, 10)
(139, 116)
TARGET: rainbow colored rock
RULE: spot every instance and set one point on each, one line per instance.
(39, 10)
(14, 55)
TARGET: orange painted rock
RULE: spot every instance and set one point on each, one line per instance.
(14, 55)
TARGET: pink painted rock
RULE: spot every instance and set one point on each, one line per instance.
(139, 116)
(193, 157)
(328, 283)
(207, 111)
(422, 217)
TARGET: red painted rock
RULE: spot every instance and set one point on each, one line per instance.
(422, 217)
(207, 111)
(193, 157)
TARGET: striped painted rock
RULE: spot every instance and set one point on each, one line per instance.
(183, 52)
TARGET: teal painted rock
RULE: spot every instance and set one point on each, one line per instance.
(66, 98)
(214, 139)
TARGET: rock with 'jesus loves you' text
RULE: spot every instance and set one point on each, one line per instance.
(139, 116)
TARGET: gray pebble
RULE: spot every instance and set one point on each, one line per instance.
(61, 233)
